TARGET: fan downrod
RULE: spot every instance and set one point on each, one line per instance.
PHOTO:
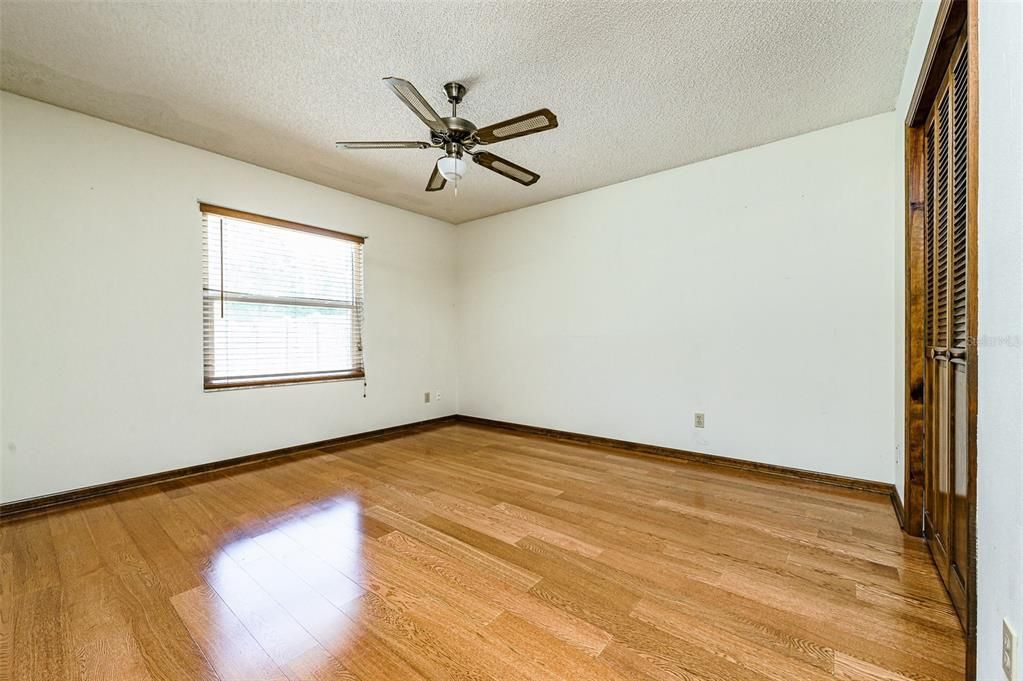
(460, 130)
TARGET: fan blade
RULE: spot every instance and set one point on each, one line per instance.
(436, 181)
(526, 124)
(382, 145)
(504, 167)
(408, 93)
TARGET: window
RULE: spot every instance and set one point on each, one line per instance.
(282, 302)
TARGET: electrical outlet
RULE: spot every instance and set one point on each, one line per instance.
(699, 420)
(426, 397)
(1009, 651)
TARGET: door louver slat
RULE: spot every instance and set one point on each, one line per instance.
(941, 224)
(929, 239)
(959, 205)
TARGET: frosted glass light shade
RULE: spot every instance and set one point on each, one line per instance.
(453, 169)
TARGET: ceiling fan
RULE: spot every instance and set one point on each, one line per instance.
(458, 136)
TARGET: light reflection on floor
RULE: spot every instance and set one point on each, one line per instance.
(295, 576)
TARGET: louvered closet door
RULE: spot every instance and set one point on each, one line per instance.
(946, 364)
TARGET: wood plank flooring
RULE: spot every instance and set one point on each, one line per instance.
(465, 552)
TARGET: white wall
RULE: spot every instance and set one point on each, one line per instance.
(1000, 355)
(102, 324)
(755, 287)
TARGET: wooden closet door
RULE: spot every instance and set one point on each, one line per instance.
(946, 366)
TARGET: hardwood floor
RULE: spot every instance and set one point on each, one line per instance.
(464, 552)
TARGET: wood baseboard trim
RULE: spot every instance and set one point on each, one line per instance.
(900, 510)
(24, 507)
(859, 484)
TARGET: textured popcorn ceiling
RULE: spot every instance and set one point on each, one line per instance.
(638, 87)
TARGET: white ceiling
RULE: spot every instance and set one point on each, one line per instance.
(638, 87)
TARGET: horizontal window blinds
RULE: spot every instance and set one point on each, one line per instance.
(282, 302)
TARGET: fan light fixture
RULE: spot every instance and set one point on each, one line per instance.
(452, 168)
(458, 136)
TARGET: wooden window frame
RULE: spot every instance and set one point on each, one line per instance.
(294, 379)
(955, 19)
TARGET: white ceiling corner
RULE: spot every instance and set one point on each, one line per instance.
(638, 87)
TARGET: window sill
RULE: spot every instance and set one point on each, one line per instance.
(217, 387)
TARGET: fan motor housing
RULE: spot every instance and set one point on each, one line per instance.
(460, 130)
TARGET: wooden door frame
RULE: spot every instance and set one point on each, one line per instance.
(954, 16)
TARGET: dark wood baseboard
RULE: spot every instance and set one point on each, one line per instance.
(900, 511)
(871, 486)
(23, 507)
